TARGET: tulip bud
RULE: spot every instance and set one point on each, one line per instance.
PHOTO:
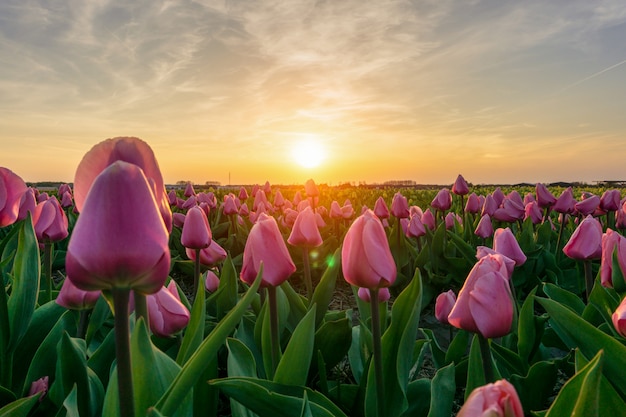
(365, 295)
(460, 186)
(400, 206)
(586, 242)
(443, 200)
(612, 242)
(366, 258)
(305, 232)
(50, 221)
(265, 245)
(73, 298)
(189, 190)
(40, 387)
(485, 227)
(532, 211)
(610, 200)
(504, 242)
(443, 305)
(196, 231)
(119, 245)
(566, 202)
(428, 219)
(167, 313)
(209, 256)
(28, 202)
(243, 194)
(380, 208)
(416, 227)
(12, 187)
(473, 204)
(311, 188)
(545, 199)
(588, 205)
(211, 281)
(494, 400)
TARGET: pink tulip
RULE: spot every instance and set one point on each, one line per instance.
(73, 298)
(620, 218)
(335, 210)
(482, 251)
(265, 245)
(267, 188)
(484, 228)
(380, 208)
(365, 295)
(533, 212)
(289, 218)
(586, 241)
(319, 220)
(196, 231)
(127, 149)
(243, 210)
(64, 188)
(610, 200)
(347, 211)
(545, 199)
(311, 189)
(168, 315)
(28, 202)
(305, 232)
(12, 187)
(460, 186)
(490, 206)
(230, 205)
(189, 190)
(178, 219)
(619, 318)
(209, 256)
(279, 200)
(40, 387)
(50, 221)
(512, 209)
(505, 243)
(588, 205)
(428, 219)
(485, 291)
(498, 196)
(211, 281)
(259, 198)
(297, 198)
(190, 202)
(443, 200)
(66, 200)
(493, 400)
(529, 198)
(566, 202)
(119, 245)
(611, 242)
(415, 227)
(473, 204)
(172, 198)
(400, 206)
(443, 305)
(366, 258)
(451, 219)
(42, 197)
(243, 194)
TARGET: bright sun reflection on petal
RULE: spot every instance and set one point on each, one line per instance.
(308, 153)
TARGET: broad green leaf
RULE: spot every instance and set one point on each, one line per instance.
(467, 250)
(536, 387)
(25, 287)
(529, 330)
(70, 403)
(576, 332)
(229, 284)
(397, 351)
(324, 291)
(306, 407)
(565, 298)
(458, 347)
(443, 388)
(240, 363)
(356, 355)
(608, 398)
(579, 396)
(268, 398)
(20, 408)
(194, 333)
(476, 370)
(419, 393)
(604, 300)
(207, 351)
(332, 340)
(294, 364)
(297, 306)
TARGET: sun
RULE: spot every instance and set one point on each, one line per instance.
(308, 153)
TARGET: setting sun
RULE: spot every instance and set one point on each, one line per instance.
(308, 153)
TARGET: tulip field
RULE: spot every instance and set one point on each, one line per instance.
(124, 296)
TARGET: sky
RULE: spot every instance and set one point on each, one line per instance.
(499, 91)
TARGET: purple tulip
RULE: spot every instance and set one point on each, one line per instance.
(400, 206)
(12, 187)
(73, 298)
(460, 186)
(380, 208)
(443, 200)
(586, 241)
(50, 221)
(196, 231)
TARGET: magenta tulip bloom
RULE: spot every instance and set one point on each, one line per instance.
(119, 240)
(566, 202)
(196, 231)
(619, 318)
(498, 196)
(168, 315)
(490, 205)
(460, 186)
(473, 204)
(366, 258)
(586, 242)
(230, 205)
(588, 205)
(66, 200)
(545, 199)
(178, 219)
(28, 202)
(12, 187)
(73, 298)
(305, 232)
(335, 210)
(347, 211)
(493, 400)
(443, 305)
(366, 295)
(50, 221)
(504, 242)
(380, 208)
(485, 291)
(400, 206)
(512, 209)
(265, 245)
(189, 190)
(533, 212)
(40, 387)
(485, 227)
(311, 189)
(611, 242)
(209, 256)
(610, 200)
(128, 149)
(482, 251)
(415, 227)
(443, 200)
(243, 194)
(451, 219)
(428, 219)
(211, 281)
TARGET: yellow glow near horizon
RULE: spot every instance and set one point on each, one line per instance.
(308, 153)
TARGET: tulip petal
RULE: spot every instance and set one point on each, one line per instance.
(491, 306)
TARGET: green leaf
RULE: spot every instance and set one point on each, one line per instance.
(536, 387)
(228, 288)
(397, 351)
(25, 287)
(268, 398)
(579, 396)
(240, 363)
(297, 308)
(324, 291)
(604, 300)
(529, 330)
(443, 388)
(194, 333)
(419, 393)
(293, 367)
(458, 347)
(332, 340)
(608, 398)
(564, 297)
(20, 408)
(306, 407)
(576, 332)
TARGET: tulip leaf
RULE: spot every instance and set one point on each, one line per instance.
(398, 245)
(294, 365)
(475, 368)
(608, 398)
(194, 333)
(398, 343)
(356, 354)
(529, 329)
(467, 251)
(332, 341)
(324, 291)
(617, 275)
(297, 307)
(206, 352)
(71, 370)
(100, 360)
(240, 363)
(579, 396)
(70, 403)
(227, 289)
(604, 301)
(306, 407)
(419, 393)
(21, 407)
(25, 286)
(565, 298)
(535, 388)
(268, 398)
(576, 332)
(99, 315)
(458, 347)
(443, 388)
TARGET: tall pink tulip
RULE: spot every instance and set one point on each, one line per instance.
(50, 221)
(490, 206)
(196, 231)
(12, 187)
(586, 242)
(230, 205)
(168, 315)
(380, 208)
(209, 256)
(505, 243)
(485, 290)
(400, 206)
(311, 189)
(460, 186)
(265, 245)
(119, 239)
(610, 200)
(473, 204)
(189, 190)
(545, 198)
(305, 232)
(366, 258)
(127, 149)
(498, 399)
(612, 242)
(443, 200)
(428, 219)
(485, 227)
(28, 202)
(416, 227)
(243, 194)
(566, 202)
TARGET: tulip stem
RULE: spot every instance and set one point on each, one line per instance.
(47, 264)
(141, 308)
(196, 273)
(485, 353)
(558, 240)
(378, 358)
(83, 322)
(271, 292)
(307, 272)
(588, 277)
(122, 352)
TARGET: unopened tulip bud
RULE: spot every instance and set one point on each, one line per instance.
(498, 399)
(443, 305)
(12, 187)
(586, 242)
(460, 186)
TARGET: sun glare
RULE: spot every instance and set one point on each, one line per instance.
(308, 153)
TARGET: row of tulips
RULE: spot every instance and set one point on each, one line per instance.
(530, 289)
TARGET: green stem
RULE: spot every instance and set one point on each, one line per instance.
(485, 353)
(47, 265)
(274, 337)
(588, 277)
(307, 273)
(196, 275)
(378, 358)
(6, 357)
(83, 322)
(141, 308)
(122, 352)
(558, 241)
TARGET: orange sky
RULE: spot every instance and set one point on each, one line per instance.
(502, 92)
